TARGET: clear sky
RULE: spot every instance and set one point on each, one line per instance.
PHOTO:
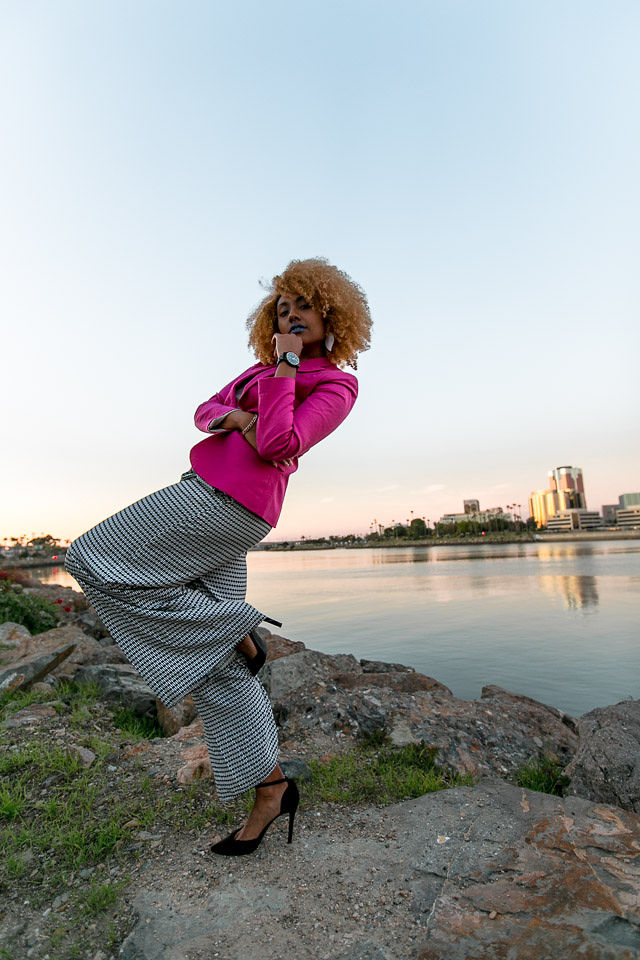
(474, 166)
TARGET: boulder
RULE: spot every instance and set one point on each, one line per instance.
(288, 673)
(493, 735)
(381, 666)
(85, 649)
(172, 719)
(23, 672)
(606, 766)
(404, 681)
(12, 634)
(279, 646)
(121, 682)
(491, 872)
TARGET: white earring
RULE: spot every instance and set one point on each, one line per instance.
(329, 340)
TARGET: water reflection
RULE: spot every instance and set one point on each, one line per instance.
(578, 592)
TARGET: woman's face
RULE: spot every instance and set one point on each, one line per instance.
(297, 316)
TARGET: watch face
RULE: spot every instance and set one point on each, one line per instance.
(292, 358)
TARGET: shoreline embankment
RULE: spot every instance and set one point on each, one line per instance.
(575, 536)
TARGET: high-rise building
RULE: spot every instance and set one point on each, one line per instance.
(543, 504)
(565, 492)
(627, 500)
(568, 483)
(471, 506)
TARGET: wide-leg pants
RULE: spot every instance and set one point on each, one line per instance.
(168, 576)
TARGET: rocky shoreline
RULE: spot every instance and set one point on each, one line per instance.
(469, 872)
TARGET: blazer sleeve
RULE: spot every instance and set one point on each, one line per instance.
(285, 431)
(216, 408)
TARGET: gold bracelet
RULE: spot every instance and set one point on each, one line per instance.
(252, 423)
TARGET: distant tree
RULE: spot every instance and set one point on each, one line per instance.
(44, 542)
(417, 529)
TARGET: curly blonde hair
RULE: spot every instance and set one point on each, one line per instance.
(340, 300)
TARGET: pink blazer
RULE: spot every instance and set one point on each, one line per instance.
(293, 415)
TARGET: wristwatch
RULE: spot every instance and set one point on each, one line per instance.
(289, 357)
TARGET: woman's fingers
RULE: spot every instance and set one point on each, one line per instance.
(285, 342)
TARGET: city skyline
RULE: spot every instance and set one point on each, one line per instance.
(469, 511)
(473, 168)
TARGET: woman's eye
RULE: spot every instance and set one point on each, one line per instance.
(305, 306)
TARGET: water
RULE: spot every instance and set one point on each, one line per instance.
(556, 621)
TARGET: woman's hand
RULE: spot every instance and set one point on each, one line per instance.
(283, 342)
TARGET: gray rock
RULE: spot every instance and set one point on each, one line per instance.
(379, 666)
(12, 634)
(166, 932)
(27, 670)
(606, 766)
(172, 719)
(31, 715)
(282, 676)
(490, 736)
(471, 874)
(121, 682)
(364, 951)
(297, 769)
(86, 649)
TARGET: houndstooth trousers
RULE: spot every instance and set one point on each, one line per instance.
(168, 577)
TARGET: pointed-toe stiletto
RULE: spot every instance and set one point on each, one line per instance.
(230, 847)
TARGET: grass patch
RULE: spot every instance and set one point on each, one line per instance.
(100, 897)
(67, 694)
(381, 774)
(138, 728)
(543, 774)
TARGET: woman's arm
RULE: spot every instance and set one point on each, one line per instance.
(284, 432)
(222, 409)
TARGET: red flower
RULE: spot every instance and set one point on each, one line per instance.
(67, 609)
(58, 600)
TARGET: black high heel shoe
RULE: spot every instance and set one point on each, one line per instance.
(256, 663)
(230, 847)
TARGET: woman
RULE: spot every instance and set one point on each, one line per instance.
(168, 573)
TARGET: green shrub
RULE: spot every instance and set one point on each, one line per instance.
(34, 613)
(543, 774)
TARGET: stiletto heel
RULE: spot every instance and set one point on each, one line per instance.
(230, 847)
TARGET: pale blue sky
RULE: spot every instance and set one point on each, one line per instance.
(474, 166)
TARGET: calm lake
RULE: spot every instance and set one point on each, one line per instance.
(556, 621)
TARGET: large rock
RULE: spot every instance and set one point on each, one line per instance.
(493, 735)
(279, 646)
(21, 673)
(606, 766)
(121, 682)
(288, 673)
(402, 680)
(12, 635)
(86, 650)
(172, 719)
(492, 872)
